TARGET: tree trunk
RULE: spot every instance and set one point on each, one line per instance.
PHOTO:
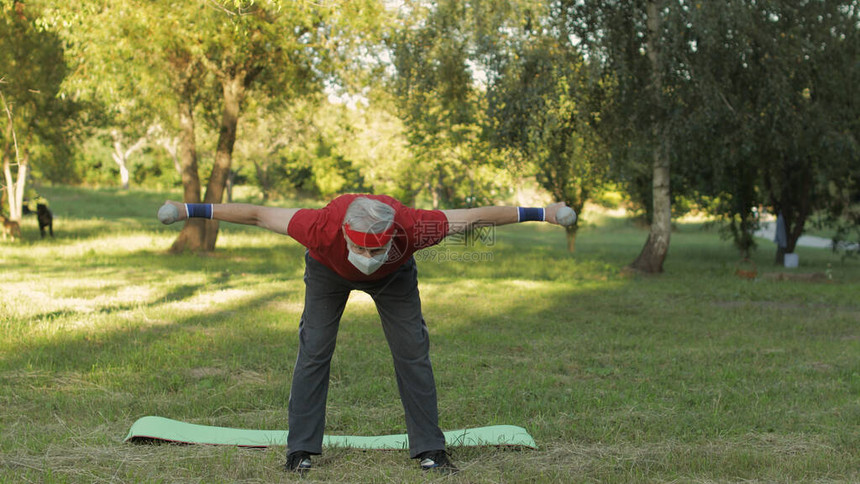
(191, 236)
(571, 238)
(234, 91)
(171, 146)
(23, 173)
(120, 158)
(657, 246)
(15, 185)
(795, 206)
(9, 186)
(15, 188)
(121, 155)
(199, 234)
(570, 231)
(263, 179)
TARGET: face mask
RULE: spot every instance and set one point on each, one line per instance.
(368, 265)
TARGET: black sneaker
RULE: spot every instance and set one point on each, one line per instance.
(299, 461)
(437, 461)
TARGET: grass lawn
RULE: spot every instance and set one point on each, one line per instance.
(695, 375)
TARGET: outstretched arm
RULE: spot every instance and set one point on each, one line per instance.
(269, 218)
(464, 219)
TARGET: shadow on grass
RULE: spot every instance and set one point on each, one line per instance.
(572, 351)
(564, 345)
(76, 342)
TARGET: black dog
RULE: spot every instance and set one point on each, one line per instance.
(46, 219)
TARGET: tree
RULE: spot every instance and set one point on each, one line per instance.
(628, 39)
(768, 83)
(802, 122)
(14, 188)
(657, 246)
(275, 145)
(35, 117)
(373, 138)
(223, 47)
(113, 74)
(437, 101)
(545, 103)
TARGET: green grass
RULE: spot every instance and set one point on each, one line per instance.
(694, 375)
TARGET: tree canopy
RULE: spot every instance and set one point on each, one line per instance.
(36, 119)
(730, 106)
(208, 56)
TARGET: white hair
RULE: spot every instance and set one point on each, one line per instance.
(369, 216)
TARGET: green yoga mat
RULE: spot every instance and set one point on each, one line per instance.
(165, 429)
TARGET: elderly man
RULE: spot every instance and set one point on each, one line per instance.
(365, 243)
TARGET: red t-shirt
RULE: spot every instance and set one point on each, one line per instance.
(320, 231)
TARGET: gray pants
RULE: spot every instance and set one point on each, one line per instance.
(399, 306)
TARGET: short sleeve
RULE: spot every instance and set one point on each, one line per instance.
(308, 227)
(426, 227)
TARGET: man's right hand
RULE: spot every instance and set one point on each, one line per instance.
(171, 212)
